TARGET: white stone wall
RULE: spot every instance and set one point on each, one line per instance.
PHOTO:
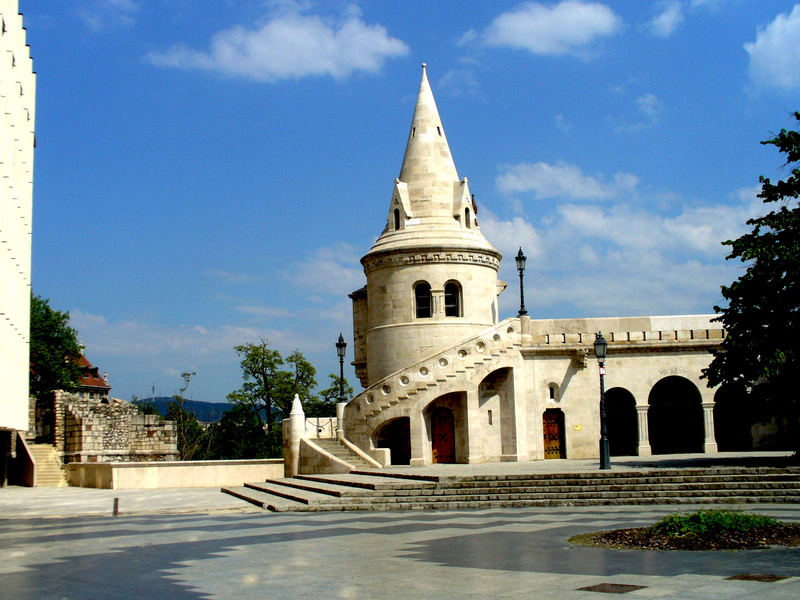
(396, 338)
(17, 117)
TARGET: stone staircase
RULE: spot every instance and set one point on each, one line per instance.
(434, 375)
(378, 490)
(342, 452)
(49, 470)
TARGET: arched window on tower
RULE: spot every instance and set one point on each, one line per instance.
(466, 218)
(422, 300)
(396, 218)
(452, 299)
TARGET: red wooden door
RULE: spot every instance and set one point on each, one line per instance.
(443, 434)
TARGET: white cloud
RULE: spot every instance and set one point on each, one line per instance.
(775, 55)
(668, 20)
(644, 262)
(509, 236)
(99, 15)
(649, 104)
(459, 82)
(566, 28)
(561, 180)
(290, 45)
(331, 270)
(262, 311)
(562, 124)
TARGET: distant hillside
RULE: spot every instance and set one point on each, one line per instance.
(208, 412)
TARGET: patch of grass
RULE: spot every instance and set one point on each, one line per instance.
(712, 522)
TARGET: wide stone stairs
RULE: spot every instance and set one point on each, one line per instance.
(377, 490)
(342, 452)
(48, 468)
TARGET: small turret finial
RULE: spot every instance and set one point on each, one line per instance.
(424, 65)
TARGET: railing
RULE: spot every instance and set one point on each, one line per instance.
(320, 428)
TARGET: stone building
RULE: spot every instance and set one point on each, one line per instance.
(17, 118)
(447, 381)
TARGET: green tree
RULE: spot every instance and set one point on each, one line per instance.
(324, 403)
(269, 383)
(239, 434)
(193, 440)
(761, 350)
(54, 350)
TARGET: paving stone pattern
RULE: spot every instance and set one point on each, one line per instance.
(520, 553)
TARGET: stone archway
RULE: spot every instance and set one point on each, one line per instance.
(675, 417)
(396, 436)
(622, 422)
(732, 420)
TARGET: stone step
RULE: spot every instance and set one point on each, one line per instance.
(376, 490)
(419, 506)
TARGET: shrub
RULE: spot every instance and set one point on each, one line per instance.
(712, 522)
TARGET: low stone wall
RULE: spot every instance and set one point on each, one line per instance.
(201, 473)
(95, 431)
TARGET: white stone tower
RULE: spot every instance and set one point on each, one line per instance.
(431, 275)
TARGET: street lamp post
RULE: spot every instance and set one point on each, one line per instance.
(341, 347)
(600, 348)
(521, 258)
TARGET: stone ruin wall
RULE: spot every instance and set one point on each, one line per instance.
(93, 431)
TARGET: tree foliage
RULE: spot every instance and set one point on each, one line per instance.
(269, 382)
(324, 403)
(762, 319)
(54, 350)
(193, 441)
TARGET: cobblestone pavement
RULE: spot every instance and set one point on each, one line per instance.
(521, 553)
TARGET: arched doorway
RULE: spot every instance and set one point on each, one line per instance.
(732, 420)
(396, 436)
(553, 427)
(621, 422)
(675, 417)
(443, 435)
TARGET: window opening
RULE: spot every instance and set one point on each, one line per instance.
(422, 297)
(466, 218)
(413, 131)
(439, 131)
(552, 392)
(452, 299)
(397, 218)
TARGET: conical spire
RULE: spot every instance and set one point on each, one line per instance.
(428, 166)
(430, 206)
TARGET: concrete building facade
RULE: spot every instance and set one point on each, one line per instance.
(447, 381)
(17, 119)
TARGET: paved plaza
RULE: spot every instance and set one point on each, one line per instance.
(520, 553)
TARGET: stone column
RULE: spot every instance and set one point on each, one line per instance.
(474, 423)
(710, 440)
(437, 304)
(525, 329)
(340, 420)
(418, 436)
(643, 448)
(297, 424)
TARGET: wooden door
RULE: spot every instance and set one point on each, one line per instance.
(443, 434)
(553, 424)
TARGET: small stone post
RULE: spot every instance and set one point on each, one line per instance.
(297, 424)
(340, 420)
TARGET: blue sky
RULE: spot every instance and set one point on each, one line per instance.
(209, 173)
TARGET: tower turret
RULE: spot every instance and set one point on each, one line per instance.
(431, 274)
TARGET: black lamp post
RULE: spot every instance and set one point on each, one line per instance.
(341, 347)
(600, 348)
(521, 258)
